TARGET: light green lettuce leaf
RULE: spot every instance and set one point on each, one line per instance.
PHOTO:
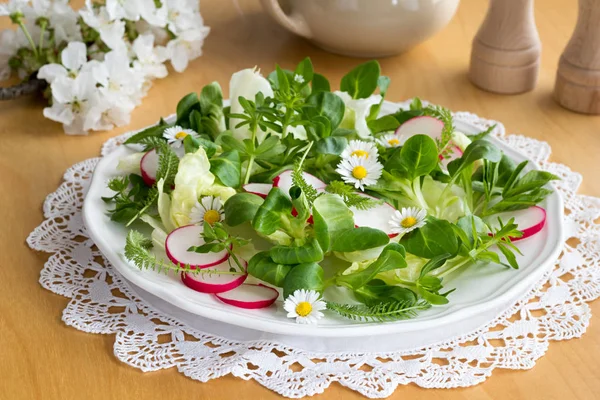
(357, 111)
(193, 179)
(164, 207)
(451, 207)
(131, 164)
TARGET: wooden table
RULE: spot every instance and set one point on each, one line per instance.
(41, 358)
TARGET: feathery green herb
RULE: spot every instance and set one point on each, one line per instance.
(350, 196)
(382, 312)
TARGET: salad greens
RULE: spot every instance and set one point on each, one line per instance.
(447, 189)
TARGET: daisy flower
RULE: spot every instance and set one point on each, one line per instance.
(208, 209)
(389, 140)
(408, 219)
(176, 134)
(305, 306)
(360, 171)
(359, 148)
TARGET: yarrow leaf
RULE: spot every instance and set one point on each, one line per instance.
(382, 312)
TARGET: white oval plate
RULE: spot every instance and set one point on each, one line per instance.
(480, 290)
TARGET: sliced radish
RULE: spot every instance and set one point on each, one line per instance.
(181, 239)
(377, 217)
(423, 125)
(456, 153)
(284, 181)
(213, 282)
(149, 166)
(249, 296)
(260, 189)
(529, 221)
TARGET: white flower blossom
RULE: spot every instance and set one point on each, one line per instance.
(407, 219)
(111, 30)
(360, 171)
(186, 47)
(208, 209)
(71, 99)
(183, 15)
(149, 59)
(124, 9)
(14, 6)
(74, 61)
(360, 148)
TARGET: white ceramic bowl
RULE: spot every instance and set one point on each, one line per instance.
(363, 28)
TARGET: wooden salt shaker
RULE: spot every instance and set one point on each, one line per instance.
(505, 57)
(578, 77)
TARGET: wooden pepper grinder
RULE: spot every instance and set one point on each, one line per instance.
(578, 77)
(505, 57)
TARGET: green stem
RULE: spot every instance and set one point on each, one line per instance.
(453, 268)
(254, 127)
(42, 33)
(29, 39)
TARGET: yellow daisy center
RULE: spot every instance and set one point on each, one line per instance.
(212, 216)
(393, 142)
(408, 222)
(180, 135)
(360, 153)
(359, 172)
(303, 308)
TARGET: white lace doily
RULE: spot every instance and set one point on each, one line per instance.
(146, 338)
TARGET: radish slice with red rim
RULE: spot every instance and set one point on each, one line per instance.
(181, 239)
(377, 217)
(249, 296)
(529, 221)
(423, 125)
(284, 181)
(213, 282)
(260, 189)
(456, 153)
(149, 166)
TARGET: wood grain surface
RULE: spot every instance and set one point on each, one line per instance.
(42, 358)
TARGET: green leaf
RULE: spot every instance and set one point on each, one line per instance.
(509, 255)
(241, 207)
(419, 156)
(320, 84)
(331, 145)
(530, 181)
(391, 258)
(227, 167)
(376, 292)
(271, 215)
(262, 267)
(232, 143)
(328, 105)
(518, 202)
(305, 70)
(282, 80)
(383, 124)
(361, 82)
(211, 108)
(304, 276)
(331, 216)
(291, 255)
(360, 238)
(191, 144)
(435, 238)
(480, 149)
(185, 106)
(471, 226)
(153, 131)
(433, 264)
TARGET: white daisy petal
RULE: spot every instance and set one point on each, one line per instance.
(360, 171)
(176, 134)
(208, 209)
(389, 140)
(360, 148)
(407, 220)
(304, 305)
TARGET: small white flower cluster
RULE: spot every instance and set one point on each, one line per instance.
(110, 54)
